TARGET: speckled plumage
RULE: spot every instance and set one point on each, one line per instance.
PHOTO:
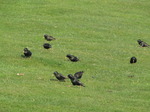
(47, 45)
(59, 76)
(75, 81)
(133, 60)
(48, 37)
(142, 43)
(72, 58)
(27, 52)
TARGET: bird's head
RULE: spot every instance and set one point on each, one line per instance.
(25, 50)
(55, 73)
(69, 55)
(70, 76)
(139, 41)
(45, 36)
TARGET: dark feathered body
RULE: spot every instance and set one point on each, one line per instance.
(59, 76)
(27, 52)
(78, 75)
(48, 37)
(72, 58)
(75, 81)
(133, 60)
(142, 43)
(47, 45)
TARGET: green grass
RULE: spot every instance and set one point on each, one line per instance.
(102, 33)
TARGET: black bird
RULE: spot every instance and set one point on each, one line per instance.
(133, 60)
(59, 76)
(47, 45)
(27, 52)
(48, 37)
(78, 75)
(72, 58)
(142, 43)
(75, 81)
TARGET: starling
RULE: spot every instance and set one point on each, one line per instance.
(78, 75)
(47, 45)
(75, 81)
(48, 37)
(59, 76)
(133, 60)
(142, 43)
(27, 53)
(72, 58)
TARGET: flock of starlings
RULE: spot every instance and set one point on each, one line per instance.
(74, 78)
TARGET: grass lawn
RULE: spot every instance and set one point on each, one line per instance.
(102, 33)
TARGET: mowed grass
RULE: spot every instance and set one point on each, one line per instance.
(102, 33)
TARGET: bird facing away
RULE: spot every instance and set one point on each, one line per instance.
(142, 43)
(78, 75)
(133, 60)
(27, 52)
(75, 81)
(47, 45)
(59, 76)
(72, 58)
(48, 37)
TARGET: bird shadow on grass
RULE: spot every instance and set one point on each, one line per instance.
(131, 76)
(23, 56)
(54, 80)
(57, 80)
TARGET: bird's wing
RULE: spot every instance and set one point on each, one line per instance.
(62, 76)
